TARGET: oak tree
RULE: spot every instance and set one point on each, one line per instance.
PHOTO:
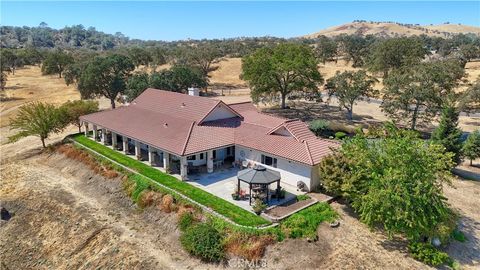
(281, 70)
(105, 76)
(349, 87)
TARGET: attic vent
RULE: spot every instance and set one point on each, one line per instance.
(165, 125)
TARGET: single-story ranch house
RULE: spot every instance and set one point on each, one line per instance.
(189, 134)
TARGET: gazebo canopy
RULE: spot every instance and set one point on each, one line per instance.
(258, 175)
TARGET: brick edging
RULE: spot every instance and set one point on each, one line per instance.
(277, 219)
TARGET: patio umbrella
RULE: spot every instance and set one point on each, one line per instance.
(258, 175)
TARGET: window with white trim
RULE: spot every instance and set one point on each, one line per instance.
(269, 161)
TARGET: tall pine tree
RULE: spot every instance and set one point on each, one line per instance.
(471, 147)
(448, 134)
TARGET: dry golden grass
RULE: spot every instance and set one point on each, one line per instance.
(247, 246)
(393, 29)
(29, 85)
(454, 28)
(228, 73)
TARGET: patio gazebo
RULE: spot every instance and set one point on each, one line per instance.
(259, 176)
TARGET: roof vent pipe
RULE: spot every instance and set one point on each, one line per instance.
(193, 91)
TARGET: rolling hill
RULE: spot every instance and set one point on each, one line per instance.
(391, 29)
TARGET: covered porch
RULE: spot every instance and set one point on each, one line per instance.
(155, 157)
(183, 167)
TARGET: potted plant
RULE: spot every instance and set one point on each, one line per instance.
(259, 206)
(235, 195)
(281, 194)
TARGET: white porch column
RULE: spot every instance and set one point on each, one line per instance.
(125, 144)
(183, 168)
(151, 155)
(210, 161)
(95, 133)
(114, 140)
(85, 124)
(104, 136)
(137, 150)
(166, 161)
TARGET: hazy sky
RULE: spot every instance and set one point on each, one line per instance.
(182, 20)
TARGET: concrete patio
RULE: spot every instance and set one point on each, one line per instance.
(223, 182)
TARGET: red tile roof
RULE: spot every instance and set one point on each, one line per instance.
(172, 122)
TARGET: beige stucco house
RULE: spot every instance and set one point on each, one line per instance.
(186, 134)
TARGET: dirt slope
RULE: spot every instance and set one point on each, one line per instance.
(66, 217)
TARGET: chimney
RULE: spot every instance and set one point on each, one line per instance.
(193, 91)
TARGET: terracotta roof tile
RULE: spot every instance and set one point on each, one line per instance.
(175, 104)
(160, 130)
(170, 121)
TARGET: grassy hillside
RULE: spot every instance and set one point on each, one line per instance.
(390, 29)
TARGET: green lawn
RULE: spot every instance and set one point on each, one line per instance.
(227, 209)
(305, 222)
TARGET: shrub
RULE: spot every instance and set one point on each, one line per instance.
(185, 221)
(204, 241)
(258, 206)
(248, 246)
(427, 253)
(305, 222)
(302, 197)
(141, 184)
(167, 202)
(444, 230)
(395, 182)
(340, 135)
(459, 236)
(319, 126)
(147, 198)
(82, 156)
(110, 174)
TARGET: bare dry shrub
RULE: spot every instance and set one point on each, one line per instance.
(248, 246)
(185, 208)
(109, 173)
(148, 198)
(167, 203)
(80, 155)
